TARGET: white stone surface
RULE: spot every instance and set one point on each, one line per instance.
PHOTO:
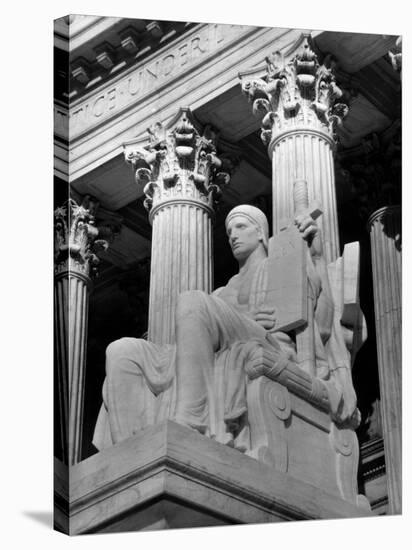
(181, 260)
(114, 489)
(353, 50)
(385, 230)
(210, 75)
(306, 155)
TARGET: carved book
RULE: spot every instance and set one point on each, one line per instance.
(217, 358)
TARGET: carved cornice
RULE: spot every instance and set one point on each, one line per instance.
(300, 93)
(119, 44)
(180, 163)
(127, 112)
(77, 239)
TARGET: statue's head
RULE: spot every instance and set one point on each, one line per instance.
(247, 229)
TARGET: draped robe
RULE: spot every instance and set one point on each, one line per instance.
(145, 383)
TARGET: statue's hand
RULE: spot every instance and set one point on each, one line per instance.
(310, 231)
(349, 404)
(342, 399)
(266, 317)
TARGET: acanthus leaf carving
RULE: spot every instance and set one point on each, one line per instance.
(181, 160)
(299, 92)
(77, 237)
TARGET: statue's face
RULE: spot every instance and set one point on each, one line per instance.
(244, 237)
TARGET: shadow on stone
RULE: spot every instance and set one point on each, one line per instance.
(44, 518)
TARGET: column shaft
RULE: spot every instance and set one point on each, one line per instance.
(305, 154)
(298, 100)
(75, 260)
(182, 177)
(385, 229)
(71, 307)
(181, 260)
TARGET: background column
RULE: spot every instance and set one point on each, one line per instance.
(297, 102)
(75, 236)
(385, 232)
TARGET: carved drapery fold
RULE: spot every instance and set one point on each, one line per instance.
(183, 177)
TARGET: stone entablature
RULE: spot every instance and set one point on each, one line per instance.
(80, 29)
(129, 42)
(107, 117)
(150, 74)
(212, 71)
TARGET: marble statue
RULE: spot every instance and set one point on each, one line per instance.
(201, 380)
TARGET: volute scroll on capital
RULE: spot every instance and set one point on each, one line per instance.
(298, 93)
(180, 162)
(78, 238)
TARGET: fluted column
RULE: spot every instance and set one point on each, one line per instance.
(75, 239)
(296, 99)
(385, 231)
(304, 154)
(182, 176)
(181, 260)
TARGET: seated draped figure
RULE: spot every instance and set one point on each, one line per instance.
(201, 380)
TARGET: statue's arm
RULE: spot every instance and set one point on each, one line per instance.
(311, 233)
(328, 321)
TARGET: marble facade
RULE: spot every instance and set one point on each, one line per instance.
(208, 93)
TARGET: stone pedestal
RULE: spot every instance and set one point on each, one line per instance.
(385, 230)
(182, 177)
(75, 236)
(171, 476)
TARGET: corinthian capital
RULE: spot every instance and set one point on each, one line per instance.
(180, 161)
(76, 237)
(299, 93)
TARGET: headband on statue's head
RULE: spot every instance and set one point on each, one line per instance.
(255, 216)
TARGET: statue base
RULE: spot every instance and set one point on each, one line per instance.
(298, 437)
(169, 476)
